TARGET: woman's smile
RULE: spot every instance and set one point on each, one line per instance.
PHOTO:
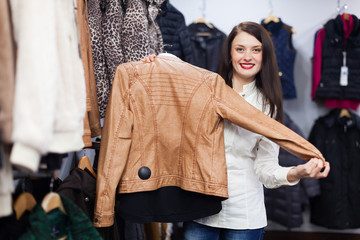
(247, 65)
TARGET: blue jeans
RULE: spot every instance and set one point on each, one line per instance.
(196, 231)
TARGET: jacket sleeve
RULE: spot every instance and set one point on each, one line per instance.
(233, 107)
(114, 149)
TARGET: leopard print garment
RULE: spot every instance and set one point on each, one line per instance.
(156, 40)
(103, 87)
(140, 33)
(121, 31)
(111, 26)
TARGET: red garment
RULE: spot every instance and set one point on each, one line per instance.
(317, 58)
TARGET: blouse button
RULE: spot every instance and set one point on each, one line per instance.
(87, 199)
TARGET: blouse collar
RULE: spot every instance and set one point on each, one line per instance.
(248, 89)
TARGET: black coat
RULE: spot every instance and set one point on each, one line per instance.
(338, 139)
(207, 45)
(284, 205)
(174, 32)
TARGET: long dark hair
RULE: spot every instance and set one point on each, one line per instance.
(267, 80)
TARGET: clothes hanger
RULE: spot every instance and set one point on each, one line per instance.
(52, 201)
(344, 113)
(271, 18)
(25, 201)
(203, 20)
(85, 163)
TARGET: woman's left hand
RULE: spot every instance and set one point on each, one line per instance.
(314, 168)
(149, 58)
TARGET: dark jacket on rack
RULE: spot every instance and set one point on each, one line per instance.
(335, 42)
(164, 127)
(207, 45)
(339, 141)
(80, 188)
(284, 205)
(174, 32)
(281, 35)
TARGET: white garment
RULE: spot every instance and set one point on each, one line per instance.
(50, 96)
(252, 160)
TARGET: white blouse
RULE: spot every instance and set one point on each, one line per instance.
(252, 160)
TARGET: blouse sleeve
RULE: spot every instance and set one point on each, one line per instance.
(267, 167)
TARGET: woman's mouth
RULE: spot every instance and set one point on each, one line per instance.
(247, 65)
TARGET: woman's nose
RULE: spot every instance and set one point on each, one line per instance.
(247, 55)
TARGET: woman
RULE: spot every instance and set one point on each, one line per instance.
(248, 65)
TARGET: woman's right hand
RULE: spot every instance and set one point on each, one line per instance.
(314, 168)
(149, 58)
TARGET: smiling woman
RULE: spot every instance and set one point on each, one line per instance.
(248, 65)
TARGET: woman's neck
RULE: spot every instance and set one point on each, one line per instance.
(238, 83)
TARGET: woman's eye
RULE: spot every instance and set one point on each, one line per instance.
(257, 50)
(240, 49)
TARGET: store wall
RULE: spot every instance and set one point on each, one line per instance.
(305, 16)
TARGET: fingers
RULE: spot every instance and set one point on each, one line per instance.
(326, 170)
(318, 168)
(314, 168)
(149, 58)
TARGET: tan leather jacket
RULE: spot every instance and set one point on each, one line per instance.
(164, 123)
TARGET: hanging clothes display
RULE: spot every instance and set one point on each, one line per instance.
(281, 35)
(92, 127)
(285, 205)
(338, 138)
(138, 138)
(121, 31)
(50, 95)
(174, 32)
(206, 42)
(337, 47)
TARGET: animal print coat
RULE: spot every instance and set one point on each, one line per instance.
(121, 31)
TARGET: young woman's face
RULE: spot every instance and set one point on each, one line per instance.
(246, 56)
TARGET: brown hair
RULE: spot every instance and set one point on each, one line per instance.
(267, 80)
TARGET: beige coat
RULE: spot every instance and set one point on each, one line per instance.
(7, 73)
(92, 127)
(167, 117)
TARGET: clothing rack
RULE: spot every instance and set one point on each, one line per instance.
(203, 9)
(40, 174)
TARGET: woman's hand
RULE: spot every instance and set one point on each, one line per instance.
(314, 168)
(149, 58)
